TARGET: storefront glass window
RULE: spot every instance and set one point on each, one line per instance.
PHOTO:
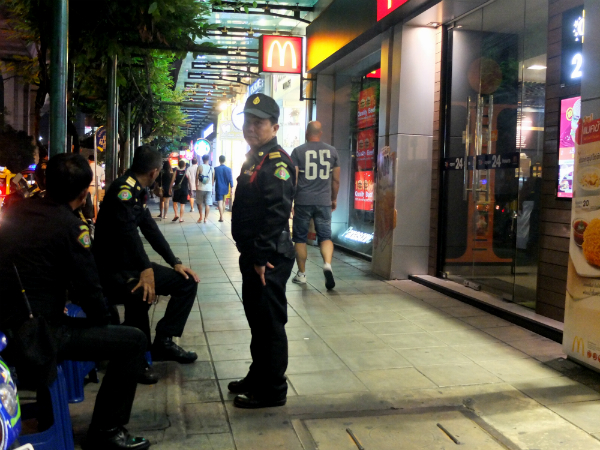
(364, 114)
(494, 148)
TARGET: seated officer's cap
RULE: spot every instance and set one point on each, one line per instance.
(262, 106)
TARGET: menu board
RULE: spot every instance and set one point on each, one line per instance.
(570, 111)
(367, 108)
(363, 190)
(581, 337)
(365, 152)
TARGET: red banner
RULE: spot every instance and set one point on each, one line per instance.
(365, 151)
(384, 7)
(588, 132)
(363, 190)
(367, 108)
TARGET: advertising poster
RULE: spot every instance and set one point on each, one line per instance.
(365, 151)
(581, 338)
(363, 190)
(570, 110)
(367, 108)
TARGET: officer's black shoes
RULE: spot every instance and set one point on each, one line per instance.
(114, 439)
(249, 401)
(148, 376)
(164, 349)
(239, 387)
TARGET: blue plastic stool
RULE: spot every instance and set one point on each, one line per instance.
(60, 435)
(76, 371)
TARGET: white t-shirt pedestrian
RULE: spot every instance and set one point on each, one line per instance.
(99, 174)
(193, 173)
(206, 171)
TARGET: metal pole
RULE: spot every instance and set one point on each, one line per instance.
(111, 122)
(117, 156)
(58, 81)
(139, 140)
(127, 149)
(96, 184)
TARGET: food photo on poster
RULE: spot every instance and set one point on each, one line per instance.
(581, 338)
(570, 111)
(367, 108)
(365, 152)
(363, 190)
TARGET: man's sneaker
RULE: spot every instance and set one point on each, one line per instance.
(300, 278)
(164, 349)
(329, 281)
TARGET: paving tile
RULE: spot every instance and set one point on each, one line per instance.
(440, 324)
(401, 326)
(519, 369)
(359, 343)
(511, 333)
(351, 328)
(464, 337)
(412, 340)
(394, 379)
(385, 316)
(196, 391)
(372, 360)
(431, 356)
(557, 390)
(309, 347)
(226, 325)
(229, 337)
(464, 311)
(487, 321)
(334, 382)
(199, 370)
(218, 441)
(230, 352)
(232, 369)
(494, 351)
(314, 363)
(201, 418)
(460, 374)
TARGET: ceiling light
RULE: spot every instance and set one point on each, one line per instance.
(250, 32)
(223, 106)
(537, 67)
(433, 24)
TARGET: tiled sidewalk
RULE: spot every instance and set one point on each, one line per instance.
(367, 348)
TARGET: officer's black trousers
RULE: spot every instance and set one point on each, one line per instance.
(124, 348)
(266, 311)
(166, 282)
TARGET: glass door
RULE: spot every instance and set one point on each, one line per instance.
(494, 134)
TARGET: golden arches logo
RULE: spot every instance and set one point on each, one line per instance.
(282, 51)
(580, 343)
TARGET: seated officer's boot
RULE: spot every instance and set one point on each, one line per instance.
(148, 375)
(117, 438)
(164, 349)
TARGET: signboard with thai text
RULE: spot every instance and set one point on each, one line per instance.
(365, 153)
(280, 54)
(581, 336)
(367, 108)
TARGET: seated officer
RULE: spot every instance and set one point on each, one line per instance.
(48, 245)
(126, 272)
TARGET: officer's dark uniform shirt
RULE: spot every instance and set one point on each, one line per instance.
(50, 247)
(118, 246)
(263, 201)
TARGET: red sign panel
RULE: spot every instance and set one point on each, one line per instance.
(367, 108)
(363, 190)
(366, 149)
(384, 7)
(280, 54)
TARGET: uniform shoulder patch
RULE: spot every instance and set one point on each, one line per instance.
(84, 228)
(281, 163)
(124, 195)
(84, 239)
(130, 181)
(274, 155)
(282, 173)
(124, 186)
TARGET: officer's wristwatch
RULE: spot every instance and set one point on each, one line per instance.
(177, 261)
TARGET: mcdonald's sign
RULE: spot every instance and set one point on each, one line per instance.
(577, 341)
(281, 54)
(384, 7)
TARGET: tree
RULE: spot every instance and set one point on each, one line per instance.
(16, 149)
(145, 36)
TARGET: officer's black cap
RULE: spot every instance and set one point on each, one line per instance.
(262, 106)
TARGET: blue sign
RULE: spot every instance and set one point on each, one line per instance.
(257, 87)
(101, 139)
(32, 167)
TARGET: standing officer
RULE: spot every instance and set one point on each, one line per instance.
(260, 228)
(48, 245)
(126, 272)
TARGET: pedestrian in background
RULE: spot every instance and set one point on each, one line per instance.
(164, 183)
(204, 188)
(193, 172)
(260, 228)
(223, 182)
(98, 177)
(181, 184)
(318, 171)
